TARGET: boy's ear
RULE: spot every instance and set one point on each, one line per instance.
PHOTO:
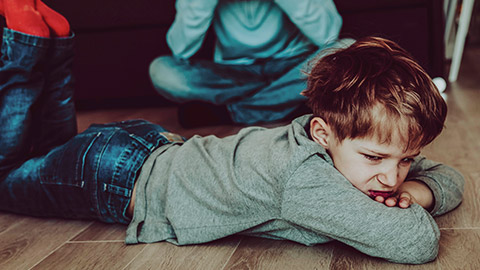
(320, 131)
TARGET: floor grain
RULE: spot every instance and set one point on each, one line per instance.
(29, 240)
(256, 253)
(91, 255)
(168, 256)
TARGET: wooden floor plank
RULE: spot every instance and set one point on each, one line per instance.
(168, 256)
(459, 249)
(346, 257)
(8, 220)
(29, 240)
(265, 254)
(99, 231)
(91, 255)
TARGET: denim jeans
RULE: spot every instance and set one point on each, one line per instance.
(46, 169)
(265, 91)
(36, 106)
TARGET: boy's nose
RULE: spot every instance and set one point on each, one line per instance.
(389, 177)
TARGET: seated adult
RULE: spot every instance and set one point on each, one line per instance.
(261, 49)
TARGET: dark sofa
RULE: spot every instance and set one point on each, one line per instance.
(117, 39)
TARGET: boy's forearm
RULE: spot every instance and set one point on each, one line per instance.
(420, 192)
(446, 184)
(397, 235)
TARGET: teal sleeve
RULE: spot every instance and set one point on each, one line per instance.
(446, 183)
(319, 199)
(319, 20)
(192, 20)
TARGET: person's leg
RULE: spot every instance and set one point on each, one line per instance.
(204, 88)
(89, 177)
(186, 80)
(23, 59)
(36, 83)
(277, 100)
(281, 99)
(54, 116)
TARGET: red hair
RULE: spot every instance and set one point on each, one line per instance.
(345, 88)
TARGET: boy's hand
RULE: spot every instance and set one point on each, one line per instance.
(408, 193)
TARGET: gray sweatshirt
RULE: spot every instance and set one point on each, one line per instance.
(277, 183)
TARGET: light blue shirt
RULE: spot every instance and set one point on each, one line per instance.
(254, 29)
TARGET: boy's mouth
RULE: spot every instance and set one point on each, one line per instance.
(384, 194)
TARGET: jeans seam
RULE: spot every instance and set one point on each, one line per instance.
(85, 156)
(94, 192)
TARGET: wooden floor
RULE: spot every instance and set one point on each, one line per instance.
(32, 243)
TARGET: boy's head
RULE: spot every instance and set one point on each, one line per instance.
(373, 92)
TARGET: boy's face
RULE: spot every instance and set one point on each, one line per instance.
(376, 169)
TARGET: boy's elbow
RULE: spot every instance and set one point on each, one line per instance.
(413, 238)
(417, 249)
(422, 252)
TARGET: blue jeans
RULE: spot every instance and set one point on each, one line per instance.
(265, 91)
(46, 169)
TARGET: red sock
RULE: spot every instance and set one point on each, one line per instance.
(58, 25)
(2, 12)
(22, 16)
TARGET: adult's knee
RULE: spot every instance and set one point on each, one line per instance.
(167, 78)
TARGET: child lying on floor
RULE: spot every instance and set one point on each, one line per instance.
(351, 171)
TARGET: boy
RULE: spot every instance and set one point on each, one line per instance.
(350, 172)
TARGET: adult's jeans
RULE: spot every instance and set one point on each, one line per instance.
(46, 169)
(265, 91)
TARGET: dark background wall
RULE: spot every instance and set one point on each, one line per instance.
(117, 39)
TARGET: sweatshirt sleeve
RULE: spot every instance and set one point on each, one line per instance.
(319, 20)
(192, 20)
(319, 199)
(446, 183)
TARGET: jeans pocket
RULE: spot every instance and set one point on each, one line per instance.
(66, 164)
(62, 178)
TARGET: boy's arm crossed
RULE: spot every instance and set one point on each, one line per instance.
(410, 192)
(332, 207)
(445, 183)
(414, 191)
(436, 187)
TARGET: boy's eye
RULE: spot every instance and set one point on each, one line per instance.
(372, 158)
(407, 160)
